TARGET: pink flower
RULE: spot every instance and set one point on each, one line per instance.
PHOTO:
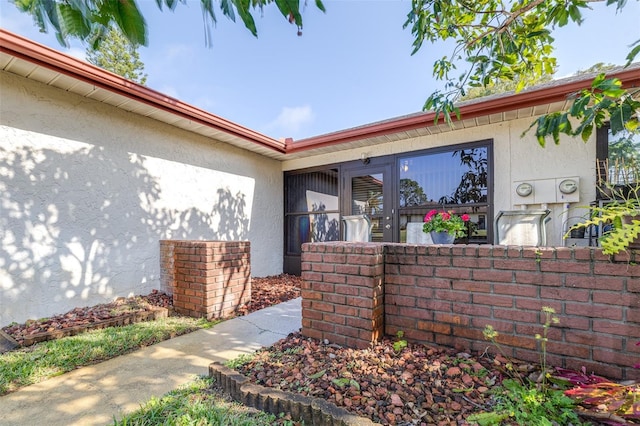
(465, 217)
(429, 215)
(445, 216)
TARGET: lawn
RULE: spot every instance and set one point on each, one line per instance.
(33, 364)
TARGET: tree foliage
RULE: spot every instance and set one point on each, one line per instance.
(473, 182)
(90, 20)
(500, 86)
(116, 54)
(498, 40)
(598, 67)
(411, 193)
(604, 102)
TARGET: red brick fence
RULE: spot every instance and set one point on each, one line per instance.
(356, 292)
(206, 278)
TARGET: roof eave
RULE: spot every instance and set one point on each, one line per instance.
(46, 57)
(531, 98)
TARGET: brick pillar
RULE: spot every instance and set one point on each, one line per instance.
(167, 275)
(209, 279)
(342, 293)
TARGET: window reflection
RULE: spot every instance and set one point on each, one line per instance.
(455, 181)
(456, 177)
(624, 158)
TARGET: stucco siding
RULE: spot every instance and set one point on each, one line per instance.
(88, 190)
(516, 158)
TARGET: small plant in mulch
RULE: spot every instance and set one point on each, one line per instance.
(559, 396)
(400, 342)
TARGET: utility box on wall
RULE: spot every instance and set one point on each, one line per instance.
(546, 191)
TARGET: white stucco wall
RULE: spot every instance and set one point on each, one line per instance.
(515, 159)
(88, 190)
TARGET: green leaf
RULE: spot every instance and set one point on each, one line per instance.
(632, 125)
(598, 80)
(320, 6)
(341, 382)
(243, 10)
(488, 419)
(131, 22)
(538, 33)
(634, 52)
(227, 9)
(318, 374)
(619, 116)
(72, 21)
(575, 14)
(579, 105)
(586, 133)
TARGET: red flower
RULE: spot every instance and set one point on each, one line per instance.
(429, 215)
(445, 216)
(465, 217)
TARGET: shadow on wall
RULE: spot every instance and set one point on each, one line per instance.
(81, 226)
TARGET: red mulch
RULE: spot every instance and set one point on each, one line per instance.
(272, 290)
(265, 292)
(417, 385)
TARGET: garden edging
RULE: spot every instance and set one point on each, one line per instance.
(153, 313)
(312, 411)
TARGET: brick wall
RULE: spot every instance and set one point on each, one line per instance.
(342, 296)
(448, 294)
(209, 279)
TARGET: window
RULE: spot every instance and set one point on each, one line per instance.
(311, 212)
(618, 160)
(455, 179)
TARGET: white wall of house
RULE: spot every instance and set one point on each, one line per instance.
(87, 191)
(515, 159)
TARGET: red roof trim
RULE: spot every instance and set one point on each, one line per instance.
(36, 53)
(33, 52)
(559, 93)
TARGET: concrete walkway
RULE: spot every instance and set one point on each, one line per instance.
(96, 394)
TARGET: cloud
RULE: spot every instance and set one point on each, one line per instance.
(291, 120)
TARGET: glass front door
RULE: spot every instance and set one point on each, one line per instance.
(368, 191)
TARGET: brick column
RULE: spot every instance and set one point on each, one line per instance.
(342, 293)
(209, 279)
(167, 275)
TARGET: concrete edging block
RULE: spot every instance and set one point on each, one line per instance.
(312, 411)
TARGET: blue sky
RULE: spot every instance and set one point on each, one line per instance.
(351, 66)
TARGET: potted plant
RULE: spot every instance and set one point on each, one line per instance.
(444, 227)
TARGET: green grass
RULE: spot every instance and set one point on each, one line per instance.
(195, 404)
(48, 359)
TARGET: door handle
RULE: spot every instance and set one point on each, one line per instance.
(387, 226)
